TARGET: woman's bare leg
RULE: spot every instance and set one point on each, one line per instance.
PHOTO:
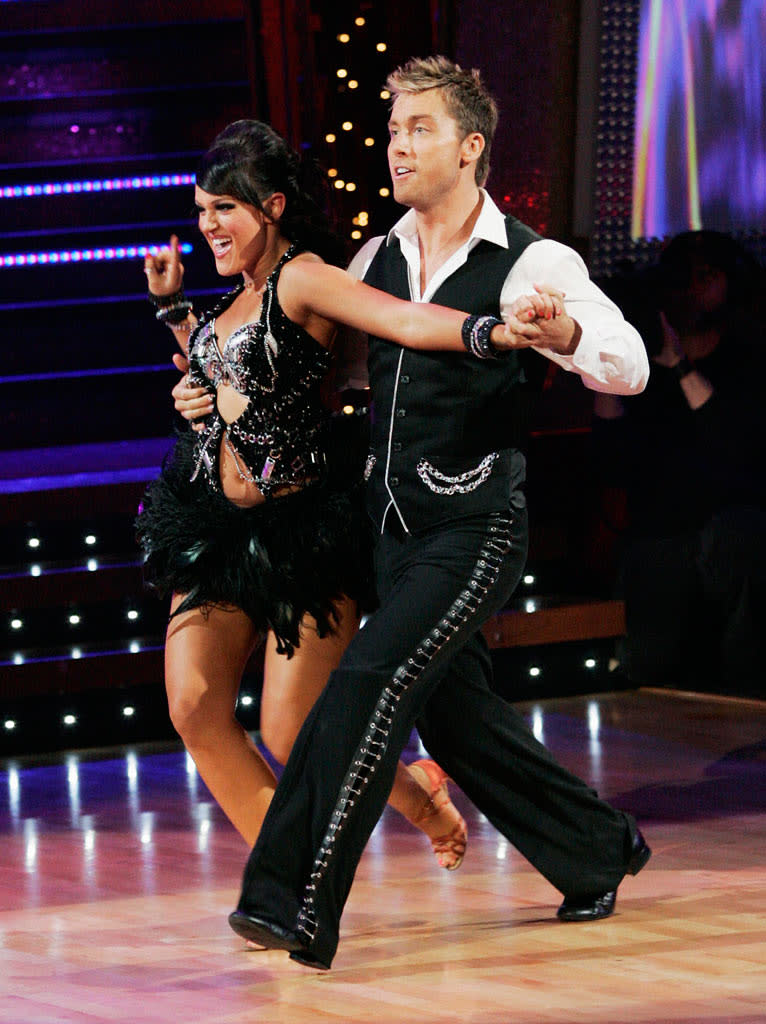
(205, 656)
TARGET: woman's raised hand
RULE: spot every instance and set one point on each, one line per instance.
(164, 269)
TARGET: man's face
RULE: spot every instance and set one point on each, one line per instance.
(425, 151)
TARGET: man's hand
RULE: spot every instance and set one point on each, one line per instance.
(546, 311)
(192, 403)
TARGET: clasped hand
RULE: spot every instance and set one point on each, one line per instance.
(539, 319)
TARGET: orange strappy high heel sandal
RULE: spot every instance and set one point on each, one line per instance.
(449, 848)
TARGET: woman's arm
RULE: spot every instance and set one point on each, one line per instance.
(165, 275)
(308, 289)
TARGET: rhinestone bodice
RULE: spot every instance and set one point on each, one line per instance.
(278, 367)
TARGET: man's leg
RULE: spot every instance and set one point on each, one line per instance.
(577, 841)
(437, 592)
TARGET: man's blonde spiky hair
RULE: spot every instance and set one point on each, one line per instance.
(465, 95)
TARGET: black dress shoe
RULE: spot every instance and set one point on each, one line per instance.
(302, 956)
(264, 933)
(599, 905)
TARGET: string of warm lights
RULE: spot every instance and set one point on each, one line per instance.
(350, 142)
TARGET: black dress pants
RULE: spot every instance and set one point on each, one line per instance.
(419, 660)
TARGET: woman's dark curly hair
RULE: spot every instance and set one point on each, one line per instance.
(250, 161)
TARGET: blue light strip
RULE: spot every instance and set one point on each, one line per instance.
(26, 485)
(65, 655)
(102, 371)
(58, 188)
(95, 255)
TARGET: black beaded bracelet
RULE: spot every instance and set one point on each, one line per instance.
(475, 332)
(175, 314)
(163, 301)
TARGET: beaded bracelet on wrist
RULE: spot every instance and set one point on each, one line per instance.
(174, 314)
(163, 301)
(475, 332)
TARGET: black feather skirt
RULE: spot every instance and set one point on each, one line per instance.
(278, 561)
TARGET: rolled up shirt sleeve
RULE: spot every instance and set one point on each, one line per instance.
(610, 356)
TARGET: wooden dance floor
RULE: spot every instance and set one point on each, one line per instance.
(117, 874)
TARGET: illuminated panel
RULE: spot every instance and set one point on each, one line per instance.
(94, 255)
(681, 136)
(700, 133)
(59, 188)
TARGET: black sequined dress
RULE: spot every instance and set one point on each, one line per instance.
(295, 553)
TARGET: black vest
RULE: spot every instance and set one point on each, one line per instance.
(446, 426)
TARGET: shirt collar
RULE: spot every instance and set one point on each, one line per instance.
(489, 226)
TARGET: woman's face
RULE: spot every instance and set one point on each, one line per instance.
(235, 231)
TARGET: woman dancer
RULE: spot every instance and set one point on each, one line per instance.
(252, 526)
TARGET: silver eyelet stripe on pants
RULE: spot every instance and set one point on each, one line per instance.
(375, 742)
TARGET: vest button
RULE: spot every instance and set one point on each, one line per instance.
(397, 446)
(394, 481)
(404, 378)
(401, 413)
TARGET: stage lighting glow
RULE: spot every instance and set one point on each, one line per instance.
(700, 118)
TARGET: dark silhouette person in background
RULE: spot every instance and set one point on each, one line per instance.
(690, 453)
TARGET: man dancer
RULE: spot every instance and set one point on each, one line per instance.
(445, 473)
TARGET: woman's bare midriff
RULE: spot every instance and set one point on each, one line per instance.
(243, 493)
(239, 491)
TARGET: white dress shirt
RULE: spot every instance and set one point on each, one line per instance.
(610, 355)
